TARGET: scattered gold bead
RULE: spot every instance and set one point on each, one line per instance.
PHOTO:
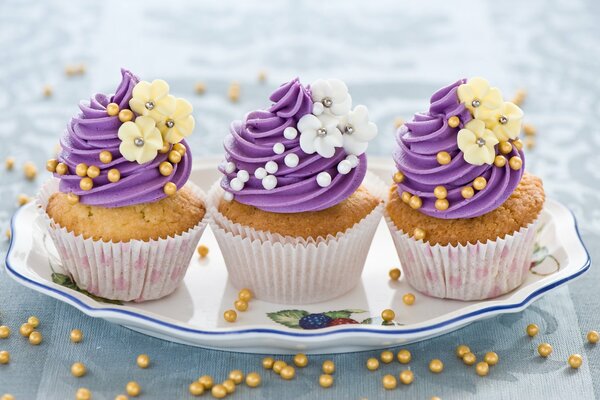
(386, 357)
(78, 369)
(80, 69)
(121, 397)
(76, 336)
(105, 156)
(520, 96)
(288, 372)
(575, 361)
(394, 274)
(245, 294)
(165, 168)
(517, 144)
(30, 170)
(93, 171)
(23, 199)
(461, 350)
(230, 315)
(8, 234)
(4, 357)
(240, 305)
(436, 366)
(112, 109)
(419, 234)
(398, 122)
(405, 196)
(234, 92)
(166, 147)
(236, 376)
(72, 198)
(51, 165)
(300, 360)
(7, 396)
(482, 368)
(47, 90)
(253, 379)
(530, 143)
(278, 366)
(26, 329)
(206, 381)
(62, 169)
(491, 358)
(442, 204)
(467, 192)
(328, 367)
(440, 192)
(170, 188)
(86, 183)
(469, 358)
(9, 163)
(83, 394)
(407, 377)
(408, 299)
(4, 332)
(229, 385)
(500, 161)
(174, 157)
(180, 148)
(81, 169)
(125, 115)
(443, 157)
(143, 361)
(388, 315)
(529, 130)
(196, 389)
(389, 382)
(325, 381)
(267, 362)
(404, 356)
(415, 202)
(114, 175)
(262, 76)
(35, 338)
(372, 364)
(479, 183)
(515, 163)
(133, 389)
(453, 121)
(544, 349)
(202, 250)
(505, 147)
(435, 398)
(218, 391)
(398, 177)
(532, 330)
(592, 336)
(200, 88)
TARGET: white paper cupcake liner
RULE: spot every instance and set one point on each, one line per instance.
(289, 270)
(465, 272)
(128, 271)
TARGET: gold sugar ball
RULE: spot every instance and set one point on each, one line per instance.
(435, 398)
(230, 315)
(372, 364)
(114, 175)
(83, 394)
(4, 357)
(325, 381)
(575, 361)
(518, 144)
(415, 202)
(328, 367)
(47, 90)
(482, 368)
(78, 369)
(245, 294)
(4, 332)
(121, 397)
(125, 115)
(532, 330)
(35, 338)
(500, 161)
(529, 130)
(505, 147)
(419, 234)
(30, 170)
(389, 382)
(442, 204)
(72, 198)
(51, 165)
(240, 305)
(515, 163)
(300, 360)
(133, 388)
(398, 177)
(196, 389)
(200, 88)
(440, 192)
(288, 372)
(467, 192)
(453, 121)
(544, 349)
(491, 358)
(86, 183)
(394, 274)
(174, 157)
(479, 183)
(234, 92)
(23, 199)
(469, 358)
(9, 163)
(388, 315)
(236, 376)
(229, 385)
(592, 336)
(202, 250)
(93, 171)
(443, 157)
(520, 96)
(26, 329)
(461, 350)
(405, 196)
(278, 366)
(112, 109)
(166, 147)
(170, 188)
(206, 381)
(180, 148)
(262, 76)
(530, 143)
(398, 122)
(105, 156)
(218, 391)
(62, 169)
(404, 356)
(436, 366)
(143, 361)
(253, 379)
(81, 169)
(76, 336)
(165, 168)
(407, 377)
(387, 357)
(408, 299)
(267, 362)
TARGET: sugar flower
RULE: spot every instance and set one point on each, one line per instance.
(477, 143)
(140, 140)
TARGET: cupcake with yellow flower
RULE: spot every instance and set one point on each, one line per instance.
(121, 214)
(462, 209)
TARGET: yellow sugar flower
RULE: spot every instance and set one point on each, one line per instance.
(477, 143)
(178, 124)
(478, 95)
(505, 121)
(152, 99)
(140, 140)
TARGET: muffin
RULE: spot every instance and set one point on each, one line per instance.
(293, 213)
(119, 211)
(462, 211)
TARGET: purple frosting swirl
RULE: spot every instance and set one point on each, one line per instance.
(249, 146)
(93, 131)
(419, 141)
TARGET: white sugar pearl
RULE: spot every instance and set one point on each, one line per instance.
(228, 196)
(324, 179)
(344, 167)
(269, 182)
(291, 160)
(353, 160)
(229, 167)
(260, 173)
(236, 184)
(318, 108)
(290, 133)
(243, 175)
(278, 148)
(271, 167)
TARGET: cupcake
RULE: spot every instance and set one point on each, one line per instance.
(462, 211)
(119, 211)
(293, 213)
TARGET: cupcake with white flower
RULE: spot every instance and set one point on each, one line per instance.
(121, 214)
(462, 209)
(293, 213)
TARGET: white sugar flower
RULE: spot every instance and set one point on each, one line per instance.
(477, 143)
(357, 130)
(152, 99)
(504, 121)
(479, 96)
(178, 124)
(319, 134)
(333, 95)
(140, 140)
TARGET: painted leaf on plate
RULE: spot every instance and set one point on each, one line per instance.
(289, 318)
(66, 281)
(342, 313)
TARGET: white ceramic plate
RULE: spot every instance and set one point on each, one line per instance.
(194, 313)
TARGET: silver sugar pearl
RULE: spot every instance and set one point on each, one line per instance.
(476, 103)
(327, 102)
(503, 120)
(170, 123)
(321, 132)
(349, 129)
(480, 142)
(139, 142)
(149, 105)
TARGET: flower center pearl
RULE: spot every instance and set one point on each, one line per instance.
(170, 123)
(149, 105)
(138, 141)
(327, 102)
(503, 120)
(480, 142)
(349, 129)
(321, 132)
(476, 103)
